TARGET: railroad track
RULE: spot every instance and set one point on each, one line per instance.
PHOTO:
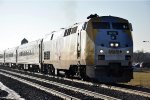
(126, 90)
(120, 88)
(64, 96)
(113, 90)
(23, 78)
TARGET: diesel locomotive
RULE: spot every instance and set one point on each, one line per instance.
(99, 48)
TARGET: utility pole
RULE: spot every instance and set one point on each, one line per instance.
(146, 41)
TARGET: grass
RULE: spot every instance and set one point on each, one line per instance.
(141, 78)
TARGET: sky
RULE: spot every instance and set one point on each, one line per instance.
(33, 19)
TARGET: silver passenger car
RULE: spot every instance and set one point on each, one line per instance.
(1, 57)
(29, 55)
(10, 56)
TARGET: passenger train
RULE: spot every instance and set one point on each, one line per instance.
(100, 48)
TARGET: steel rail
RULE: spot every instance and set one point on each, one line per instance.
(88, 93)
(64, 78)
(48, 90)
(136, 92)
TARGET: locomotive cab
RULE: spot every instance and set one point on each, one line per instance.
(109, 49)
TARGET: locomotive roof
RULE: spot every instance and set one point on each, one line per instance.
(60, 32)
(113, 17)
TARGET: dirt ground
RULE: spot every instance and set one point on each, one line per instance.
(141, 78)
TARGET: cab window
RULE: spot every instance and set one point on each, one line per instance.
(122, 26)
(101, 25)
(84, 26)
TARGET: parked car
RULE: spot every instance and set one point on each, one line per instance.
(145, 64)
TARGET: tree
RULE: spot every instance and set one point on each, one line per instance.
(142, 58)
(138, 56)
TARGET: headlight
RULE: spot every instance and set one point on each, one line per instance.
(112, 44)
(128, 51)
(101, 51)
(116, 44)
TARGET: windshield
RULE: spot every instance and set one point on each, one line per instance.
(101, 25)
(123, 26)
